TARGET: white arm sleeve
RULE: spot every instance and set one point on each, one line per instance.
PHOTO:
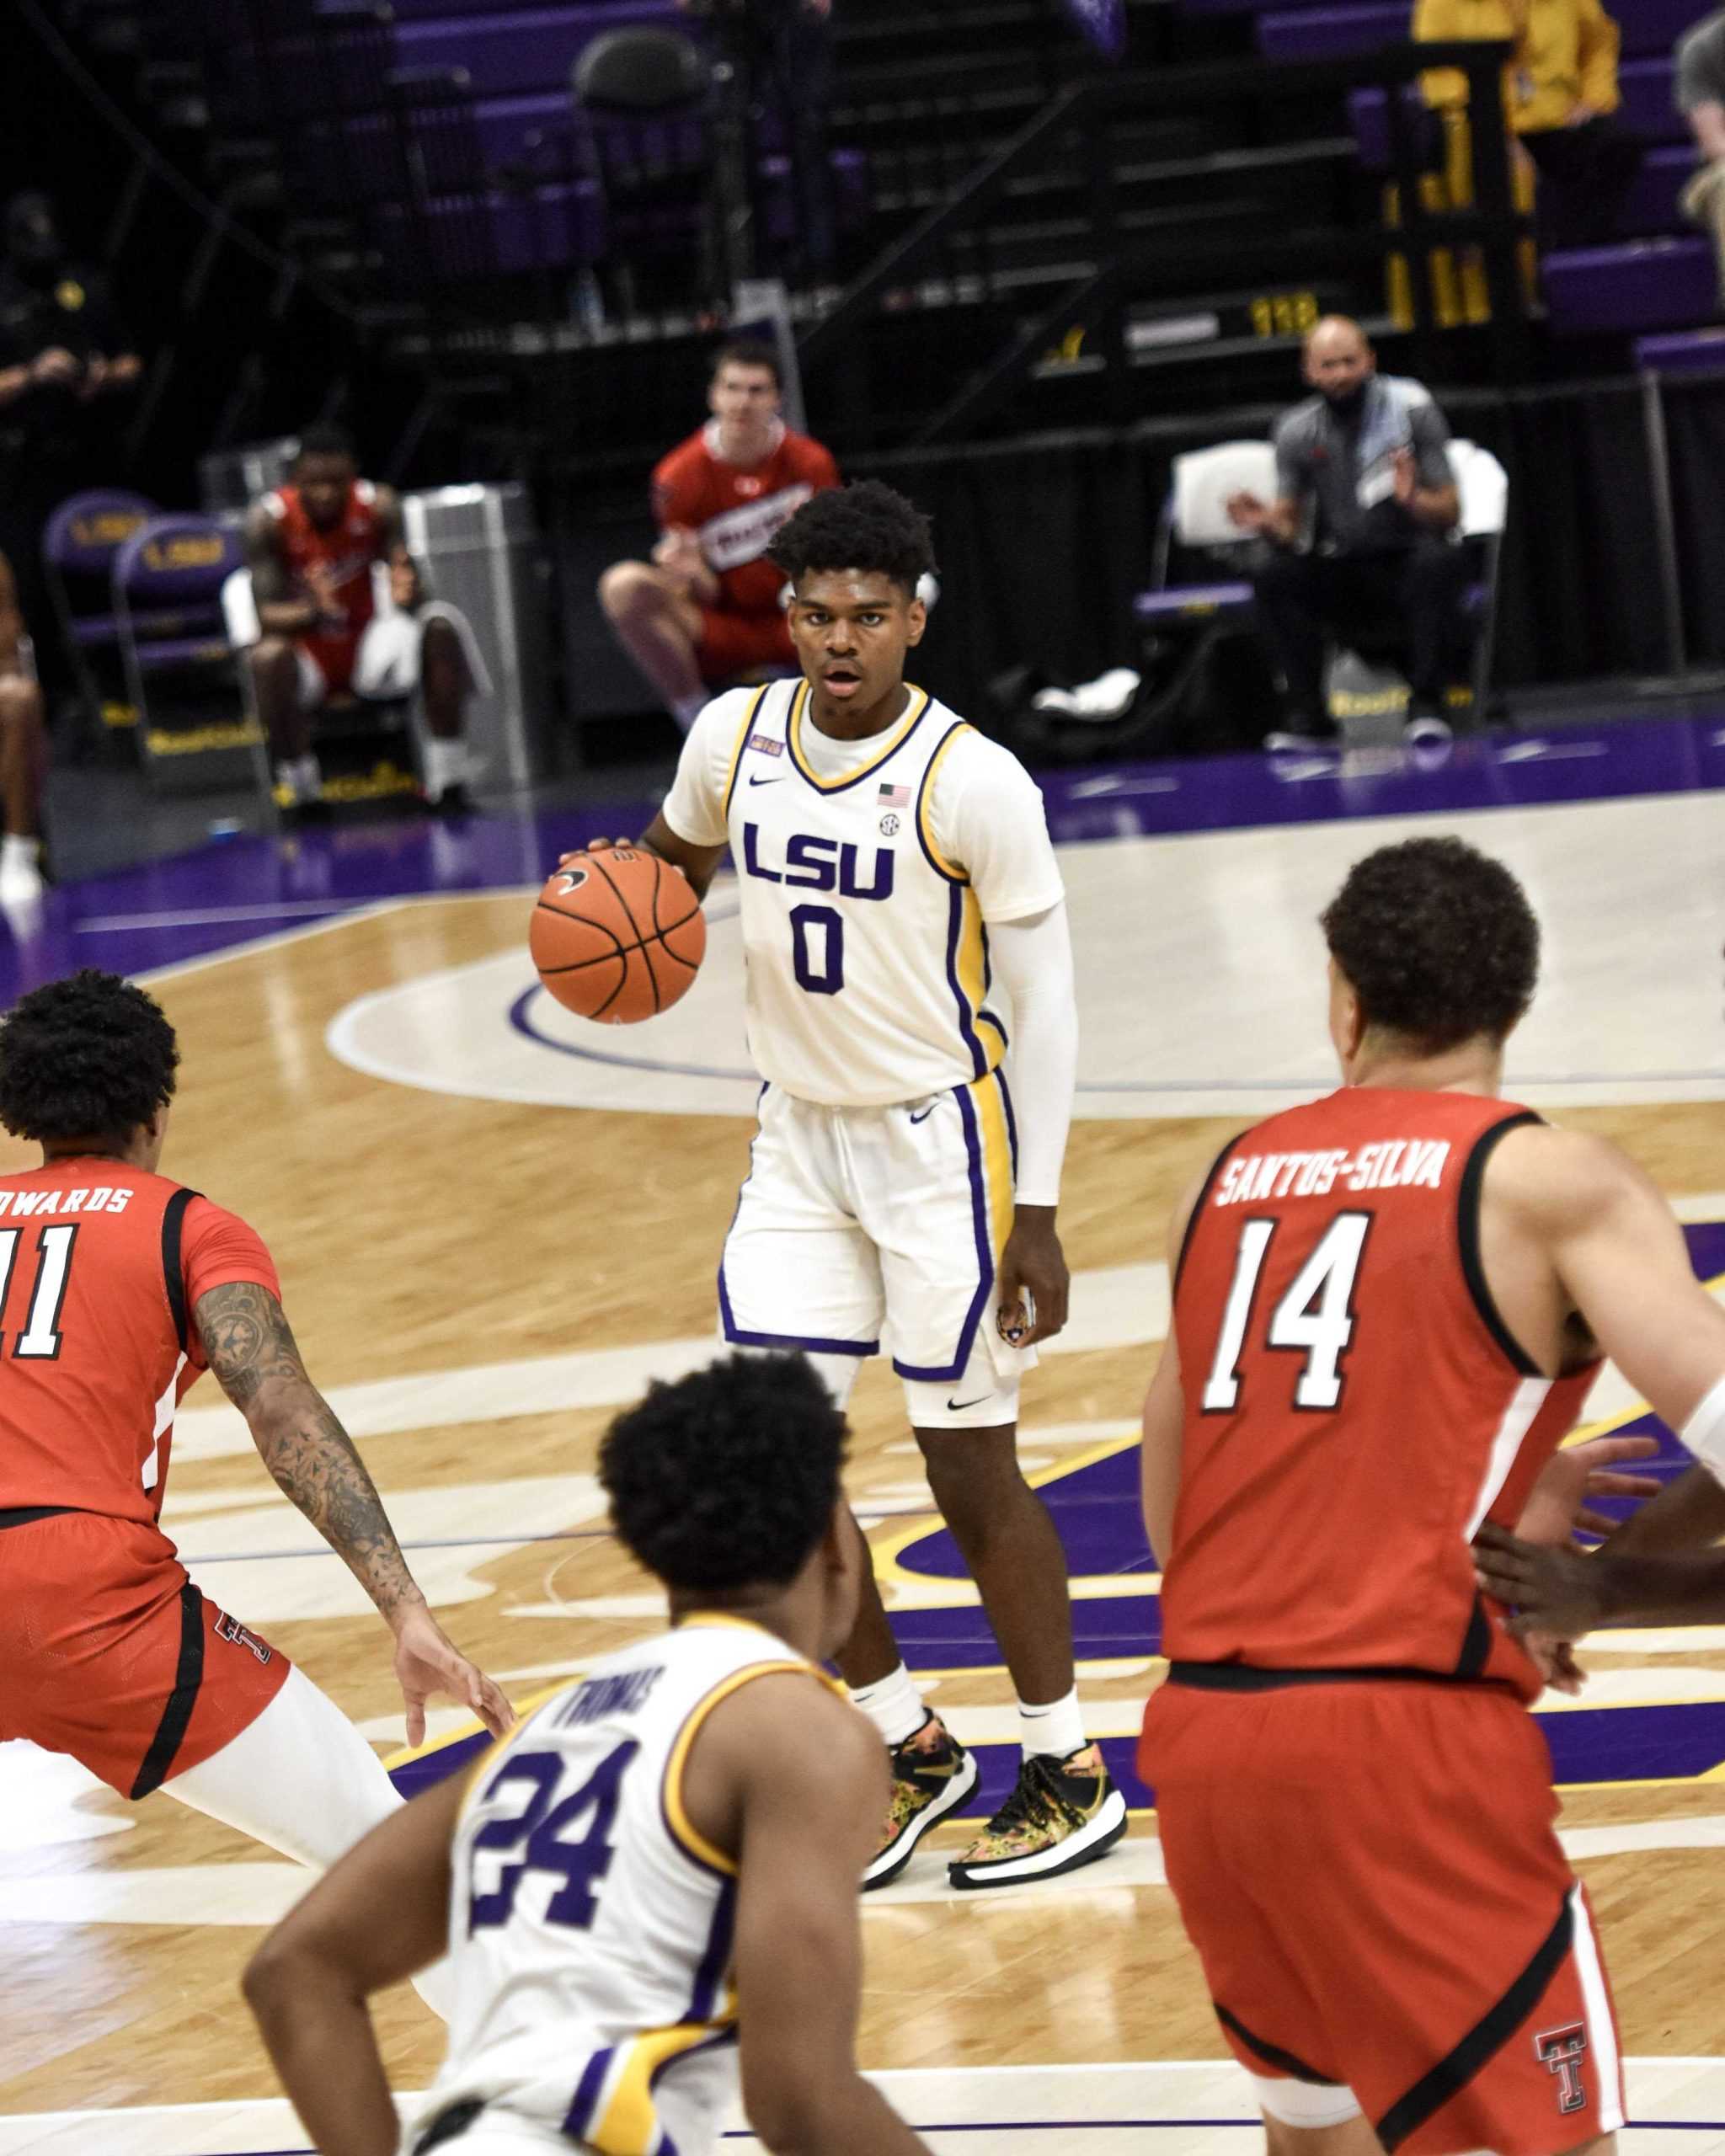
(1032, 959)
(695, 806)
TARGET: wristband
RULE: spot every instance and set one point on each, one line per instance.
(1703, 1435)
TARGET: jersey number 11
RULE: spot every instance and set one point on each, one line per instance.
(39, 1339)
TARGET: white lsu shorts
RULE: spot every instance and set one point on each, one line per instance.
(387, 659)
(857, 1223)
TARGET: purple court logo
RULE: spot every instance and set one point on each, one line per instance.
(1562, 2051)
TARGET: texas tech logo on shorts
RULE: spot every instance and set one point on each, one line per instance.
(226, 1628)
(1562, 2051)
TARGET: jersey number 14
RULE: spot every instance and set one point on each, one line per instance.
(1314, 1318)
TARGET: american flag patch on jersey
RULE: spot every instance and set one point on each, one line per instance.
(894, 796)
(767, 744)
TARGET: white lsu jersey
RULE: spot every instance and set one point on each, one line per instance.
(865, 890)
(589, 1923)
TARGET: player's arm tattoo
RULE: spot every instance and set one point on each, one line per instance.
(251, 1349)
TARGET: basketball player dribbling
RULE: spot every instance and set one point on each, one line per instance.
(893, 864)
(654, 1881)
(118, 1288)
(1389, 1306)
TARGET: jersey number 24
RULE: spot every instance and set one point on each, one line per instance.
(545, 1836)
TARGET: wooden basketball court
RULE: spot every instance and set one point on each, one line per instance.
(480, 1281)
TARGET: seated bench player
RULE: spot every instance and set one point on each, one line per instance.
(708, 611)
(310, 546)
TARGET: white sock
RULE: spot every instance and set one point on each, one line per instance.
(300, 777)
(14, 847)
(687, 709)
(445, 766)
(894, 1706)
(1055, 1732)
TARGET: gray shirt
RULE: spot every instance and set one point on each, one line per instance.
(1342, 472)
(1701, 64)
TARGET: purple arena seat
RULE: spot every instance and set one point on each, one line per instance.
(1646, 109)
(79, 544)
(550, 226)
(1651, 205)
(528, 48)
(168, 579)
(1638, 284)
(1331, 32)
(1650, 26)
(1369, 112)
(1684, 352)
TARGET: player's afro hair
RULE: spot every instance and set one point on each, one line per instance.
(324, 438)
(90, 1056)
(865, 526)
(728, 1478)
(1438, 941)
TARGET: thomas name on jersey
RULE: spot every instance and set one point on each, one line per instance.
(1394, 1164)
(603, 1697)
(20, 1203)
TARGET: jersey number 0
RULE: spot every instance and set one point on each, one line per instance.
(1315, 1317)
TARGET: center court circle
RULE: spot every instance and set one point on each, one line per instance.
(1200, 971)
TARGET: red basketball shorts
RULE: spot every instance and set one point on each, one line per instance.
(1369, 1875)
(109, 1652)
(739, 643)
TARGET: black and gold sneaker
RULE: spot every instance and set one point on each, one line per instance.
(932, 1774)
(1060, 1813)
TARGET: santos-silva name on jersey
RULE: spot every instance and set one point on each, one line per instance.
(1394, 1164)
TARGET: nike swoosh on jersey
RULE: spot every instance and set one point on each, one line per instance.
(954, 1407)
(926, 1113)
(777, 778)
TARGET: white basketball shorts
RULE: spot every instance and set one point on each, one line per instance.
(387, 659)
(857, 1226)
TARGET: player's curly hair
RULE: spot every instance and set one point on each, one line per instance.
(90, 1056)
(1438, 941)
(728, 1478)
(324, 438)
(867, 525)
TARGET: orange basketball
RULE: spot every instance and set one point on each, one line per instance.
(617, 936)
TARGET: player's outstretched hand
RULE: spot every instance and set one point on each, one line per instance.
(427, 1661)
(1552, 1590)
(1556, 1506)
(1031, 1295)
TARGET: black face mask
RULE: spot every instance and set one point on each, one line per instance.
(1348, 403)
